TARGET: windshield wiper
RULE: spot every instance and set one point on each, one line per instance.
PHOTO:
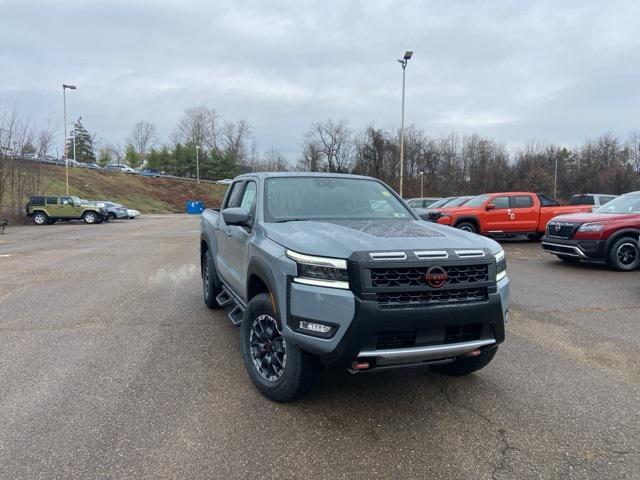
(285, 220)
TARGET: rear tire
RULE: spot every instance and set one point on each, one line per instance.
(280, 371)
(568, 259)
(467, 227)
(40, 218)
(211, 285)
(466, 365)
(624, 255)
(90, 217)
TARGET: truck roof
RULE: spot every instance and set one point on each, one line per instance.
(263, 175)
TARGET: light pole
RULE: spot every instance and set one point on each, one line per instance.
(555, 180)
(421, 184)
(403, 62)
(197, 163)
(66, 159)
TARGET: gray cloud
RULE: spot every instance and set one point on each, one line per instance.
(556, 71)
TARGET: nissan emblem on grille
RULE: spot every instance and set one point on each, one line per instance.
(558, 227)
(436, 277)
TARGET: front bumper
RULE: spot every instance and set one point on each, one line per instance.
(365, 330)
(584, 249)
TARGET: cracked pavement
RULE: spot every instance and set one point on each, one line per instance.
(112, 367)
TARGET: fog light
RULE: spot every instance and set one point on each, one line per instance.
(315, 327)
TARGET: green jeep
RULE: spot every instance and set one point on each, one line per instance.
(46, 210)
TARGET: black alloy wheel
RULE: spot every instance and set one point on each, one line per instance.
(268, 347)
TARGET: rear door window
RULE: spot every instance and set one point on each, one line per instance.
(522, 201)
(52, 200)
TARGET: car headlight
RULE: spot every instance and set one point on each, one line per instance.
(591, 227)
(320, 271)
(501, 265)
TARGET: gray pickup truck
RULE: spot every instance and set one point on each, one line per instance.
(329, 269)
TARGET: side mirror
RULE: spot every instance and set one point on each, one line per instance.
(490, 206)
(236, 216)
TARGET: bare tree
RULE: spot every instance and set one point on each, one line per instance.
(333, 141)
(143, 137)
(199, 126)
(234, 139)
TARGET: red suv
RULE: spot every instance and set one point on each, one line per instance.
(609, 234)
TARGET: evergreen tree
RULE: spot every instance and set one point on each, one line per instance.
(84, 144)
(131, 157)
(105, 156)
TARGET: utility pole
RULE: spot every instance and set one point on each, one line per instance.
(198, 163)
(403, 62)
(66, 159)
(555, 180)
(421, 184)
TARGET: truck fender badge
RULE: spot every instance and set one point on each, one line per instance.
(436, 277)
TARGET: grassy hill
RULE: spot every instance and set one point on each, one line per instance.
(147, 194)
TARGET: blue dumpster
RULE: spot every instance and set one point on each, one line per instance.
(195, 207)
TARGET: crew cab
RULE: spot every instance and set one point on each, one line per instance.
(522, 213)
(329, 269)
(609, 234)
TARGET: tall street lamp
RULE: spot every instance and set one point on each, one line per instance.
(421, 184)
(198, 163)
(66, 159)
(403, 62)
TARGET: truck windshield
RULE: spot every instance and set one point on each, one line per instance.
(330, 198)
(624, 204)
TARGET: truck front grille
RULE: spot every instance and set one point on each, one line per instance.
(416, 276)
(431, 297)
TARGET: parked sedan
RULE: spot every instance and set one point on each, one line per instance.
(115, 210)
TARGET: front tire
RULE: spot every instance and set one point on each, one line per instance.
(280, 371)
(466, 365)
(467, 227)
(40, 218)
(112, 216)
(90, 217)
(211, 285)
(624, 255)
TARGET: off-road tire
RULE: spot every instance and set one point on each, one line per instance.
(624, 255)
(40, 218)
(568, 259)
(301, 370)
(211, 285)
(467, 227)
(466, 365)
(90, 217)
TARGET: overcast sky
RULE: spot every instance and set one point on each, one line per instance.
(557, 71)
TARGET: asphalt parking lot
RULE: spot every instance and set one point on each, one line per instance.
(111, 366)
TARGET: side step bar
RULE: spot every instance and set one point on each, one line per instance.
(226, 298)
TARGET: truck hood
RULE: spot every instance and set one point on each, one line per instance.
(340, 239)
(592, 217)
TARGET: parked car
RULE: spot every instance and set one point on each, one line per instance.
(150, 172)
(132, 213)
(522, 213)
(93, 166)
(433, 214)
(422, 202)
(49, 209)
(336, 269)
(120, 168)
(114, 210)
(226, 181)
(609, 234)
(442, 202)
(595, 199)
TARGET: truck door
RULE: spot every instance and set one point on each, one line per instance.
(52, 207)
(68, 208)
(237, 247)
(223, 233)
(524, 215)
(497, 215)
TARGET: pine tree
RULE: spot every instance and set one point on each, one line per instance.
(131, 157)
(84, 144)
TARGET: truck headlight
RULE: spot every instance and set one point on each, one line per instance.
(320, 271)
(591, 227)
(501, 265)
